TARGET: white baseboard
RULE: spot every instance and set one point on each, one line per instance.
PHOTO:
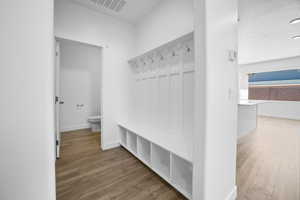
(74, 127)
(233, 194)
(110, 146)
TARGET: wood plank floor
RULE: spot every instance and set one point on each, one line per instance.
(268, 161)
(84, 172)
(268, 168)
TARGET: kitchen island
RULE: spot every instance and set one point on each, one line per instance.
(247, 116)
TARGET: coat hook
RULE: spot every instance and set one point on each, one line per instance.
(152, 61)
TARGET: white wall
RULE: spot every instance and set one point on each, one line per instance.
(80, 24)
(216, 34)
(169, 20)
(271, 65)
(27, 166)
(80, 84)
(281, 109)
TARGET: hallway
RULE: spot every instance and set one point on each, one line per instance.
(268, 167)
(84, 172)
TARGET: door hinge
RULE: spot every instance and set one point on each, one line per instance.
(57, 142)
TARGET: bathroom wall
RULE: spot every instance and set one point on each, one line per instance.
(27, 166)
(168, 20)
(117, 38)
(80, 84)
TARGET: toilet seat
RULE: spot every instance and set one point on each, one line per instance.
(94, 119)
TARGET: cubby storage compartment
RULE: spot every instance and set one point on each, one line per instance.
(123, 136)
(160, 160)
(182, 175)
(144, 150)
(131, 142)
(175, 169)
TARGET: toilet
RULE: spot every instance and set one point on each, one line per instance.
(95, 123)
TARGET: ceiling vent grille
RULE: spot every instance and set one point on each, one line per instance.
(113, 5)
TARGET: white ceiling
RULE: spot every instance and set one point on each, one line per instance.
(264, 29)
(132, 12)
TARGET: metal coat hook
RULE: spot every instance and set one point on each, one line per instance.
(188, 49)
(151, 59)
(143, 62)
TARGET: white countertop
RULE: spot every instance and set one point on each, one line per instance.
(247, 102)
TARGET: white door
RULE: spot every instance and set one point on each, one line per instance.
(57, 98)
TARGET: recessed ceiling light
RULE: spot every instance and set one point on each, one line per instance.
(296, 37)
(295, 21)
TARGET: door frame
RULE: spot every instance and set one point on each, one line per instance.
(57, 97)
(102, 48)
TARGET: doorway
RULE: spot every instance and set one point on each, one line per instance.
(78, 88)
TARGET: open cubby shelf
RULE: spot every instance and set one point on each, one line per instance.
(182, 174)
(160, 160)
(131, 142)
(176, 143)
(144, 150)
(123, 136)
(177, 171)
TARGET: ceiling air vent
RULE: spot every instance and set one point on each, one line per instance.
(114, 5)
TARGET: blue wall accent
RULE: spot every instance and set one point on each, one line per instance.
(275, 76)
